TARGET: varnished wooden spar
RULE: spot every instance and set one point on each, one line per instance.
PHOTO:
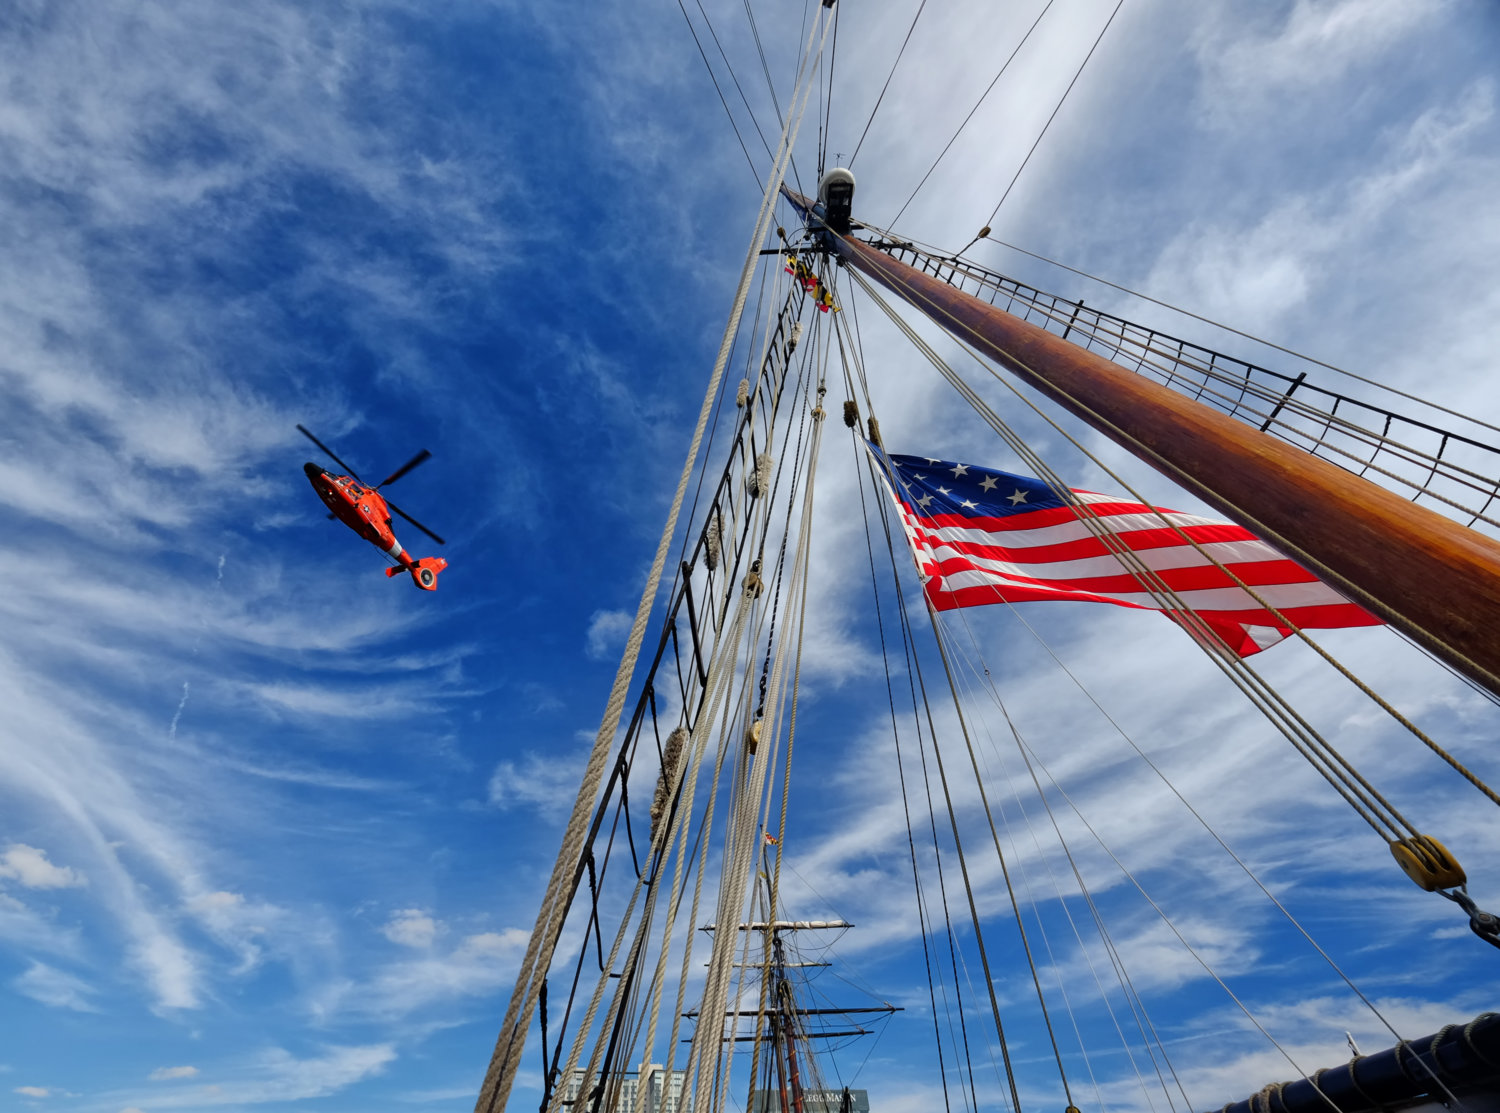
(1426, 575)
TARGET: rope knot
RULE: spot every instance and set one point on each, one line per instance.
(759, 481)
(671, 759)
(713, 540)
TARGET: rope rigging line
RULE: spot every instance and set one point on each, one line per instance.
(963, 727)
(1421, 857)
(1194, 812)
(982, 96)
(740, 848)
(881, 502)
(500, 1076)
(1166, 364)
(923, 915)
(1021, 745)
(1309, 1077)
(1127, 987)
(915, 681)
(632, 736)
(1362, 797)
(1329, 759)
(1017, 177)
(989, 977)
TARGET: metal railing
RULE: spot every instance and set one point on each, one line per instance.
(1453, 473)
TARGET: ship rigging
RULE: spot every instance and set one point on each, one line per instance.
(1395, 511)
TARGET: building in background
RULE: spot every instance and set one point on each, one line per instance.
(663, 1090)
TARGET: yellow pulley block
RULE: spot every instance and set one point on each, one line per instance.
(752, 736)
(1427, 862)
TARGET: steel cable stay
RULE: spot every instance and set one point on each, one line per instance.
(1167, 355)
(1060, 102)
(1426, 740)
(909, 647)
(1341, 775)
(887, 532)
(1020, 743)
(881, 97)
(923, 910)
(941, 640)
(976, 677)
(714, 78)
(1245, 335)
(982, 97)
(1422, 857)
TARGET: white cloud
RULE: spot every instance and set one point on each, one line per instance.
(479, 965)
(411, 927)
(1318, 44)
(607, 630)
(30, 867)
(548, 784)
(277, 1075)
(55, 987)
(163, 1074)
(33, 1091)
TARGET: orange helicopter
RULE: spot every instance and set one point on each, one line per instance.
(364, 510)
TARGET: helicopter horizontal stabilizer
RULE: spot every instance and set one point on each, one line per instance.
(424, 572)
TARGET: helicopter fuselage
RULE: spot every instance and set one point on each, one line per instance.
(364, 511)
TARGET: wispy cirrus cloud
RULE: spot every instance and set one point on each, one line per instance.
(56, 988)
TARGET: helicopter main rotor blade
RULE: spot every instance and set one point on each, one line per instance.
(404, 468)
(325, 448)
(394, 509)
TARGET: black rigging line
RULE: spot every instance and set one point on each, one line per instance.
(973, 110)
(887, 84)
(916, 682)
(833, 57)
(728, 66)
(771, 86)
(901, 774)
(693, 31)
(1048, 124)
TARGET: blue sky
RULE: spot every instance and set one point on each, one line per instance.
(274, 827)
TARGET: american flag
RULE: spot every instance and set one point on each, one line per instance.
(982, 536)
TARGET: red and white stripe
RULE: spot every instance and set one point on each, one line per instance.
(1053, 554)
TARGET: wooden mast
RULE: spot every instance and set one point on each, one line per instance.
(1430, 577)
